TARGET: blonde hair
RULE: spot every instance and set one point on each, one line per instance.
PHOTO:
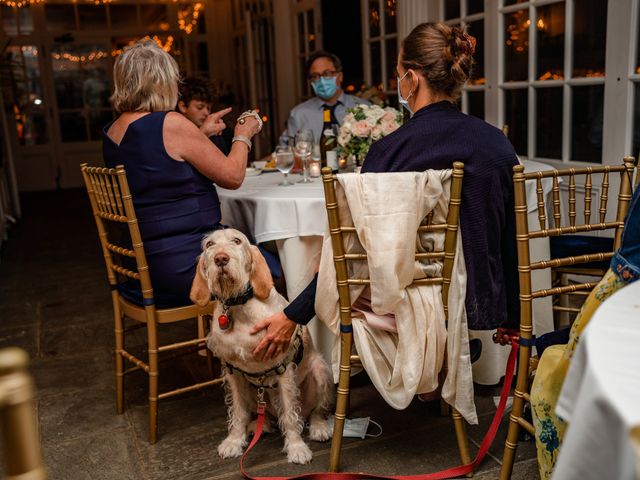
(145, 79)
(442, 53)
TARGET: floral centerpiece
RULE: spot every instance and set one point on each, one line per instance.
(363, 125)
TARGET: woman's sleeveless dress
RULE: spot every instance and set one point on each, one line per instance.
(175, 204)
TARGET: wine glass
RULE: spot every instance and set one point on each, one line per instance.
(304, 146)
(284, 162)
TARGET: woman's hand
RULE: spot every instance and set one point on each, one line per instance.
(213, 124)
(279, 332)
(249, 128)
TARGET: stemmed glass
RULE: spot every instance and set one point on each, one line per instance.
(284, 162)
(304, 146)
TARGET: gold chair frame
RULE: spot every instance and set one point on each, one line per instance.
(525, 267)
(111, 201)
(340, 258)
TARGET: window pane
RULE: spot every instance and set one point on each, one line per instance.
(92, 17)
(516, 53)
(201, 27)
(376, 64)
(123, 16)
(516, 117)
(392, 60)
(72, 127)
(374, 18)
(60, 17)
(9, 20)
(97, 121)
(475, 6)
(390, 11)
(451, 9)
(154, 18)
(586, 135)
(311, 34)
(32, 128)
(199, 57)
(513, 2)
(475, 104)
(636, 122)
(549, 122)
(590, 34)
(477, 30)
(25, 20)
(301, 34)
(550, 30)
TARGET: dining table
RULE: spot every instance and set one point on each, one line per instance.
(295, 218)
(600, 397)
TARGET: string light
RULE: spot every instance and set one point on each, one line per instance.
(19, 3)
(188, 17)
(93, 56)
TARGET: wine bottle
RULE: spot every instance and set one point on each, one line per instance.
(329, 143)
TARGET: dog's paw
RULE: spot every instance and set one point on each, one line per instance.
(319, 431)
(299, 452)
(231, 447)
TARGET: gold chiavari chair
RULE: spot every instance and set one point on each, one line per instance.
(22, 455)
(341, 258)
(112, 203)
(523, 236)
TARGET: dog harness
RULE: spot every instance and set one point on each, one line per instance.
(294, 355)
(225, 320)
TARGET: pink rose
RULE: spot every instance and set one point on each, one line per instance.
(361, 128)
(389, 116)
(389, 126)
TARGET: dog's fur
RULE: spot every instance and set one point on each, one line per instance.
(303, 391)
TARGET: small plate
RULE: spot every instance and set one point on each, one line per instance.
(252, 172)
(273, 169)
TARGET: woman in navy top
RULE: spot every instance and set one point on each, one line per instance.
(170, 166)
(434, 63)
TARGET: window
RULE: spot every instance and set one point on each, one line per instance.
(307, 41)
(469, 14)
(381, 44)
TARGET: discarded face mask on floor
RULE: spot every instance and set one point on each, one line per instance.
(356, 427)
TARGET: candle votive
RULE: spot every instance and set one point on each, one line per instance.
(342, 162)
(314, 168)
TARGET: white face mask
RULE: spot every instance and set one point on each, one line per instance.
(401, 100)
(356, 427)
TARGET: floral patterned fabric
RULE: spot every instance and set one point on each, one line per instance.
(552, 370)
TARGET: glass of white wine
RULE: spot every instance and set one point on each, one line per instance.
(304, 147)
(284, 162)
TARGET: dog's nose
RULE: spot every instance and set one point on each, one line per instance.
(221, 259)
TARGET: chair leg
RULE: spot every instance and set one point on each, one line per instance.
(203, 331)
(342, 402)
(119, 337)
(511, 443)
(153, 381)
(461, 438)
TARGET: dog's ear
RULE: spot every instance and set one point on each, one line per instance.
(200, 294)
(260, 275)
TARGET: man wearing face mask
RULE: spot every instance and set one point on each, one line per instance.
(324, 71)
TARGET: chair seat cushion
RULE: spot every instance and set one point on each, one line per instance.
(574, 245)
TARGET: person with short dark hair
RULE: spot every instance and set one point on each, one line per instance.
(324, 73)
(195, 103)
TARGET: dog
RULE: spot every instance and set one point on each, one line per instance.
(296, 383)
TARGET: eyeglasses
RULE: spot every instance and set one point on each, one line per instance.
(326, 74)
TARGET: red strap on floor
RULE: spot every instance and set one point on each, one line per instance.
(444, 474)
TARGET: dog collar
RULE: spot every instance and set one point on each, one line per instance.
(225, 320)
(294, 355)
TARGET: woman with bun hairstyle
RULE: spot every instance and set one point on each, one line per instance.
(434, 62)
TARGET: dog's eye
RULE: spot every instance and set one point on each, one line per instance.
(209, 244)
(237, 241)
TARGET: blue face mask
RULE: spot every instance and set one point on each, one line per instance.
(401, 100)
(325, 88)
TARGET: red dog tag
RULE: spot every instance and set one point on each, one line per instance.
(223, 322)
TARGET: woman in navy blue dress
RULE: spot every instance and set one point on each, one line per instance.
(171, 167)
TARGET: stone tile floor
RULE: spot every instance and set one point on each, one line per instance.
(55, 303)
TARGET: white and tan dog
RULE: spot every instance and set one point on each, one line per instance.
(296, 386)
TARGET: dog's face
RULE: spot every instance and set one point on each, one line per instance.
(228, 262)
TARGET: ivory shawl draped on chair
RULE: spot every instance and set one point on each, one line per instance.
(386, 210)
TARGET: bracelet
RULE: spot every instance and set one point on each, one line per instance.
(251, 113)
(243, 139)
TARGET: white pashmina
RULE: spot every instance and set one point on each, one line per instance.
(386, 210)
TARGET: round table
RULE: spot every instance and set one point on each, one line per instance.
(600, 397)
(295, 217)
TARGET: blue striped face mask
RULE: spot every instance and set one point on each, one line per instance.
(401, 100)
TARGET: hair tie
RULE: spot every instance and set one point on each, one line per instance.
(471, 43)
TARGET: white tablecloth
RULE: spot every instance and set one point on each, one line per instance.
(295, 217)
(600, 397)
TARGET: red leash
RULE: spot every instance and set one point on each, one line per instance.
(444, 474)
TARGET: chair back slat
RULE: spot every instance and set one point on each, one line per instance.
(572, 200)
(542, 219)
(604, 196)
(556, 202)
(587, 198)
(111, 203)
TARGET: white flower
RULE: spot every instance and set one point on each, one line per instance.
(376, 132)
(375, 113)
(362, 129)
(344, 137)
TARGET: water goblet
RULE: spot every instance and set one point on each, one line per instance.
(304, 147)
(284, 162)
